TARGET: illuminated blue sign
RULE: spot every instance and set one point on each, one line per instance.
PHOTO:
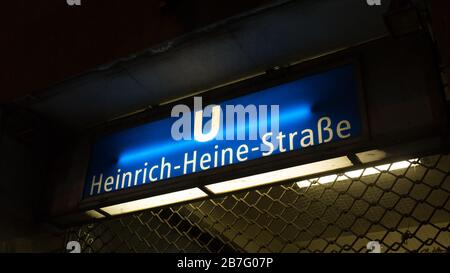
(313, 110)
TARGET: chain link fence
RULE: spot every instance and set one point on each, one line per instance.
(404, 206)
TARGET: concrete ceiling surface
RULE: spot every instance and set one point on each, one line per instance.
(281, 35)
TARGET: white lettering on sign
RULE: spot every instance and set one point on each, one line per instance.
(271, 142)
(214, 123)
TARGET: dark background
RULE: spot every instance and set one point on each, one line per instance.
(40, 38)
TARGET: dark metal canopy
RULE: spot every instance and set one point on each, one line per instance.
(227, 51)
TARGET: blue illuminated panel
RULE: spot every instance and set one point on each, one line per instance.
(148, 153)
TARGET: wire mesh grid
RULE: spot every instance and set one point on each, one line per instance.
(404, 206)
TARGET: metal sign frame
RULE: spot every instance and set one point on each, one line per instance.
(242, 169)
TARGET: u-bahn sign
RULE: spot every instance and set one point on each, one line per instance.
(314, 110)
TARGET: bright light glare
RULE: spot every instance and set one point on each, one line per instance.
(94, 214)
(280, 175)
(155, 201)
(372, 155)
(358, 173)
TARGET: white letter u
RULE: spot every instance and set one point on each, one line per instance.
(215, 124)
